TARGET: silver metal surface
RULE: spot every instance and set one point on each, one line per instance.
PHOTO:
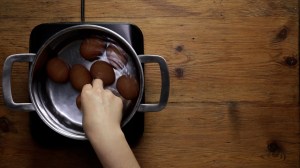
(165, 83)
(55, 103)
(63, 96)
(6, 81)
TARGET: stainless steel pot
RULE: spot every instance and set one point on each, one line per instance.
(55, 104)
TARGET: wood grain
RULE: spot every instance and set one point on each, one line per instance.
(234, 73)
(238, 37)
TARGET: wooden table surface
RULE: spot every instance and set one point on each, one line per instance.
(234, 75)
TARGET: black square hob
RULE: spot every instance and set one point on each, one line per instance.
(133, 130)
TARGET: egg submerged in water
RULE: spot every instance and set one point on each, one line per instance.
(78, 101)
(92, 47)
(79, 76)
(57, 70)
(104, 71)
(128, 87)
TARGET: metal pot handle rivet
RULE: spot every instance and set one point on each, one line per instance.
(6, 81)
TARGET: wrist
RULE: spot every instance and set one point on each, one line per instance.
(104, 134)
(113, 150)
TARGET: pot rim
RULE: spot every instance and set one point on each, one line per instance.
(43, 114)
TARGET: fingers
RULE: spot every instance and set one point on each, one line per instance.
(87, 87)
(97, 84)
(110, 98)
(97, 88)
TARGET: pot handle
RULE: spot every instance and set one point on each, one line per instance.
(165, 83)
(6, 81)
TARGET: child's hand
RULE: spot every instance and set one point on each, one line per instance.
(102, 115)
(102, 110)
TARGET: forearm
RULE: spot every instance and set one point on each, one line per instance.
(113, 150)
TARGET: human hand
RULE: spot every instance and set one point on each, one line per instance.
(102, 115)
(102, 110)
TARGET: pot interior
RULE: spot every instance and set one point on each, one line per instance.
(56, 102)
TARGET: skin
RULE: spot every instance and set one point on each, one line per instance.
(102, 114)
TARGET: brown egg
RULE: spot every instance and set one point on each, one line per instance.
(78, 101)
(57, 70)
(79, 76)
(104, 71)
(92, 47)
(128, 87)
(116, 56)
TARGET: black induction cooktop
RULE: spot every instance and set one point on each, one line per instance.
(133, 130)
